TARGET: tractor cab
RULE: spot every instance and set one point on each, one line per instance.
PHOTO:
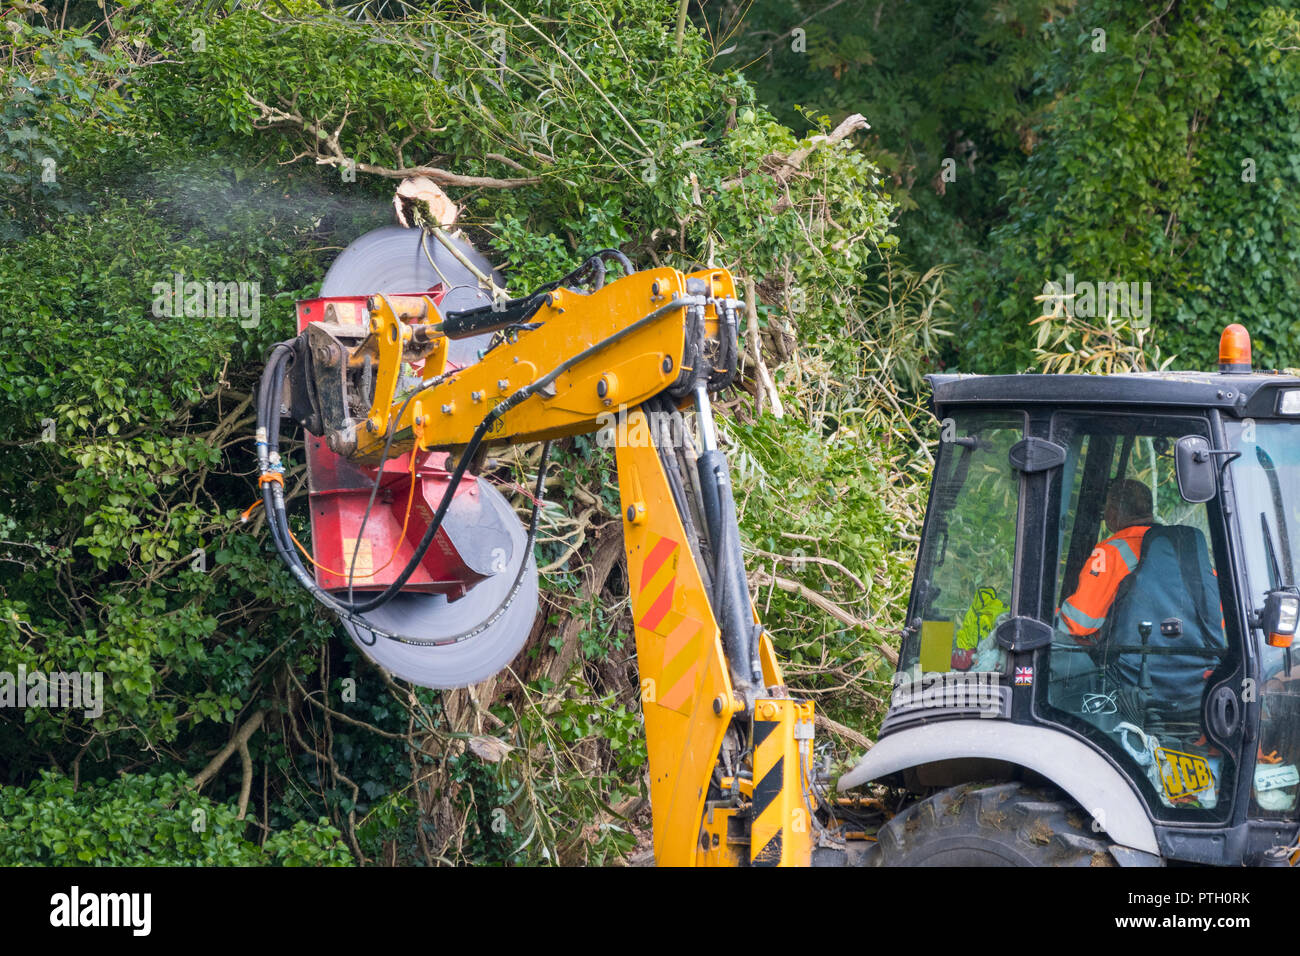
(1104, 605)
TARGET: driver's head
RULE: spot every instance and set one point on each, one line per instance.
(1128, 503)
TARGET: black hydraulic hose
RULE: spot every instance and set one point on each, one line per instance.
(479, 433)
(595, 264)
(374, 489)
(276, 506)
(539, 496)
(741, 636)
(669, 450)
(273, 492)
(728, 349)
(618, 256)
(731, 590)
(460, 323)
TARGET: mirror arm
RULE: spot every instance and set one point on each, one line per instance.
(1228, 456)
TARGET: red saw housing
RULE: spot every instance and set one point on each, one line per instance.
(470, 546)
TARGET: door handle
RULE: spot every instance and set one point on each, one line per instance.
(1223, 712)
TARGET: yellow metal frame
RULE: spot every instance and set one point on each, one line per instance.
(686, 693)
(627, 372)
(687, 696)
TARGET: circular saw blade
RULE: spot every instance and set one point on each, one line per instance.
(391, 260)
(431, 617)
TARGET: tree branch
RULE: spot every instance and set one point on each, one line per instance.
(822, 603)
(329, 152)
(238, 742)
(848, 733)
(787, 166)
(246, 783)
(763, 380)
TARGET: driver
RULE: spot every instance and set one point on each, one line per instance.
(1128, 516)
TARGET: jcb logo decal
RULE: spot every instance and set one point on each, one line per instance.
(1183, 774)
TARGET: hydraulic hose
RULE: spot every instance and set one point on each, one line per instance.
(272, 482)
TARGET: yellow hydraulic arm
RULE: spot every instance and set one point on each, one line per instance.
(758, 812)
(730, 752)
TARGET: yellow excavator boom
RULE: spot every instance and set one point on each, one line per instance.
(730, 751)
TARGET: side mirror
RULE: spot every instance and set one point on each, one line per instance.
(1194, 463)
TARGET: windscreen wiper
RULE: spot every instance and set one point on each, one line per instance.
(947, 498)
(1284, 533)
(1274, 571)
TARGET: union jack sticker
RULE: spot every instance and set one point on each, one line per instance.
(1024, 676)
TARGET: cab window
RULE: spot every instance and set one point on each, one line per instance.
(965, 573)
(1138, 615)
(1266, 481)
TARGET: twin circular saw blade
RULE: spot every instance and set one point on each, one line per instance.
(393, 260)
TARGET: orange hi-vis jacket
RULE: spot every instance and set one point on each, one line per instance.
(1084, 612)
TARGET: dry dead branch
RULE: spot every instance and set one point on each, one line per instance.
(783, 167)
(327, 151)
(822, 603)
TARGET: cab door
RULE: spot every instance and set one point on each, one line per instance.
(951, 664)
(1145, 660)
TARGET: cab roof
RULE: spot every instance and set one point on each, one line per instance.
(1243, 395)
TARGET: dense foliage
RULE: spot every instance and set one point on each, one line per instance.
(141, 819)
(1034, 139)
(152, 139)
(1011, 143)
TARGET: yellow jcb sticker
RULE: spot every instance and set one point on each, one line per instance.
(1183, 774)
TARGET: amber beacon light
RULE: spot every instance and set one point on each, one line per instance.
(1234, 349)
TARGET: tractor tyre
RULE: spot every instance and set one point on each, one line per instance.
(1005, 824)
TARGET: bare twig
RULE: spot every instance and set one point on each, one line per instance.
(238, 742)
(816, 559)
(763, 381)
(329, 152)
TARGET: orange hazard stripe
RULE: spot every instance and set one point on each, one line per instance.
(681, 652)
(655, 562)
(662, 604)
(656, 558)
(681, 691)
(679, 638)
